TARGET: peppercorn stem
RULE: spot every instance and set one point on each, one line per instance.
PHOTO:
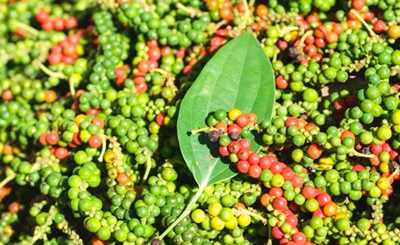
(371, 32)
(7, 180)
(240, 211)
(188, 208)
(206, 129)
(303, 38)
(192, 12)
(103, 147)
(71, 87)
(72, 234)
(49, 72)
(40, 231)
(148, 167)
(359, 154)
(26, 27)
(394, 173)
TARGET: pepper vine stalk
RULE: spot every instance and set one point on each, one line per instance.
(170, 80)
(205, 129)
(188, 208)
(40, 231)
(148, 166)
(359, 154)
(26, 27)
(371, 32)
(103, 147)
(7, 179)
(191, 11)
(239, 211)
(56, 75)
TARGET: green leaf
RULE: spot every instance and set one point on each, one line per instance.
(240, 76)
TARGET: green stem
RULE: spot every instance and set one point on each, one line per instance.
(371, 32)
(206, 129)
(241, 211)
(71, 87)
(303, 38)
(148, 168)
(40, 231)
(394, 173)
(187, 210)
(103, 148)
(358, 154)
(26, 27)
(49, 72)
(192, 12)
(7, 180)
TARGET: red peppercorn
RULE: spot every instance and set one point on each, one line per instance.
(254, 158)
(379, 26)
(95, 141)
(42, 16)
(234, 147)
(242, 120)
(52, 138)
(243, 154)
(265, 162)
(255, 171)
(234, 128)
(280, 203)
(323, 199)
(309, 192)
(61, 153)
(223, 150)
(243, 166)
(287, 173)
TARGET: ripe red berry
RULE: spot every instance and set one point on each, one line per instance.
(58, 24)
(47, 25)
(323, 199)
(42, 139)
(254, 158)
(255, 171)
(299, 238)
(276, 192)
(376, 149)
(379, 26)
(242, 120)
(245, 144)
(52, 138)
(98, 122)
(292, 219)
(297, 181)
(61, 153)
(223, 150)
(319, 213)
(309, 192)
(243, 154)
(95, 141)
(277, 232)
(265, 162)
(234, 128)
(281, 82)
(243, 166)
(42, 16)
(291, 121)
(276, 167)
(14, 207)
(234, 147)
(71, 22)
(280, 203)
(287, 173)
(160, 119)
